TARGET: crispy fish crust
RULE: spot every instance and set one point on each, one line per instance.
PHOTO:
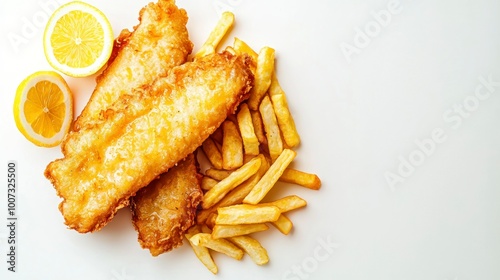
(159, 42)
(144, 134)
(166, 208)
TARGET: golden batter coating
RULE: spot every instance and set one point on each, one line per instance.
(159, 42)
(166, 208)
(142, 137)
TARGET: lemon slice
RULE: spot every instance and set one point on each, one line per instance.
(78, 39)
(43, 108)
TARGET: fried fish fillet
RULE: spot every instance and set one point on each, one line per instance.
(144, 134)
(165, 209)
(159, 42)
(156, 45)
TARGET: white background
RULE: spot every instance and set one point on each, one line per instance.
(358, 114)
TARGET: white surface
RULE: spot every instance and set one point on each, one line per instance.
(355, 119)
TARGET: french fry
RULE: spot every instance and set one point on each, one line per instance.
(237, 195)
(247, 157)
(271, 177)
(308, 180)
(212, 152)
(210, 222)
(232, 118)
(224, 231)
(288, 203)
(247, 214)
(232, 146)
(216, 193)
(283, 224)
(248, 153)
(217, 135)
(230, 50)
(202, 253)
(250, 141)
(220, 245)
(234, 197)
(241, 47)
(206, 229)
(263, 75)
(258, 126)
(264, 166)
(274, 141)
(283, 115)
(252, 247)
(204, 214)
(218, 174)
(220, 30)
(208, 183)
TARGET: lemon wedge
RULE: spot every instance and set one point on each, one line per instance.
(78, 39)
(43, 108)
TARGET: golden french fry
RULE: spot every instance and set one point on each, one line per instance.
(232, 118)
(212, 152)
(252, 247)
(274, 141)
(217, 135)
(247, 157)
(218, 174)
(301, 178)
(242, 47)
(210, 222)
(258, 126)
(213, 40)
(230, 50)
(202, 253)
(263, 75)
(250, 141)
(208, 183)
(232, 146)
(206, 229)
(283, 115)
(237, 177)
(247, 214)
(275, 87)
(288, 203)
(220, 245)
(203, 214)
(224, 231)
(264, 166)
(271, 177)
(237, 195)
(283, 224)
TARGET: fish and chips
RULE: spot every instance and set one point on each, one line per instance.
(154, 109)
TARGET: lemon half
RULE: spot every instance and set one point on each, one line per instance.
(78, 39)
(43, 108)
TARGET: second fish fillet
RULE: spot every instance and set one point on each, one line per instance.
(166, 208)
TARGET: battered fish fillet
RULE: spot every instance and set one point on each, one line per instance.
(166, 208)
(159, 42)
(144, 134)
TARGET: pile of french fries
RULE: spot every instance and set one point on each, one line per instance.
(248, 154)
